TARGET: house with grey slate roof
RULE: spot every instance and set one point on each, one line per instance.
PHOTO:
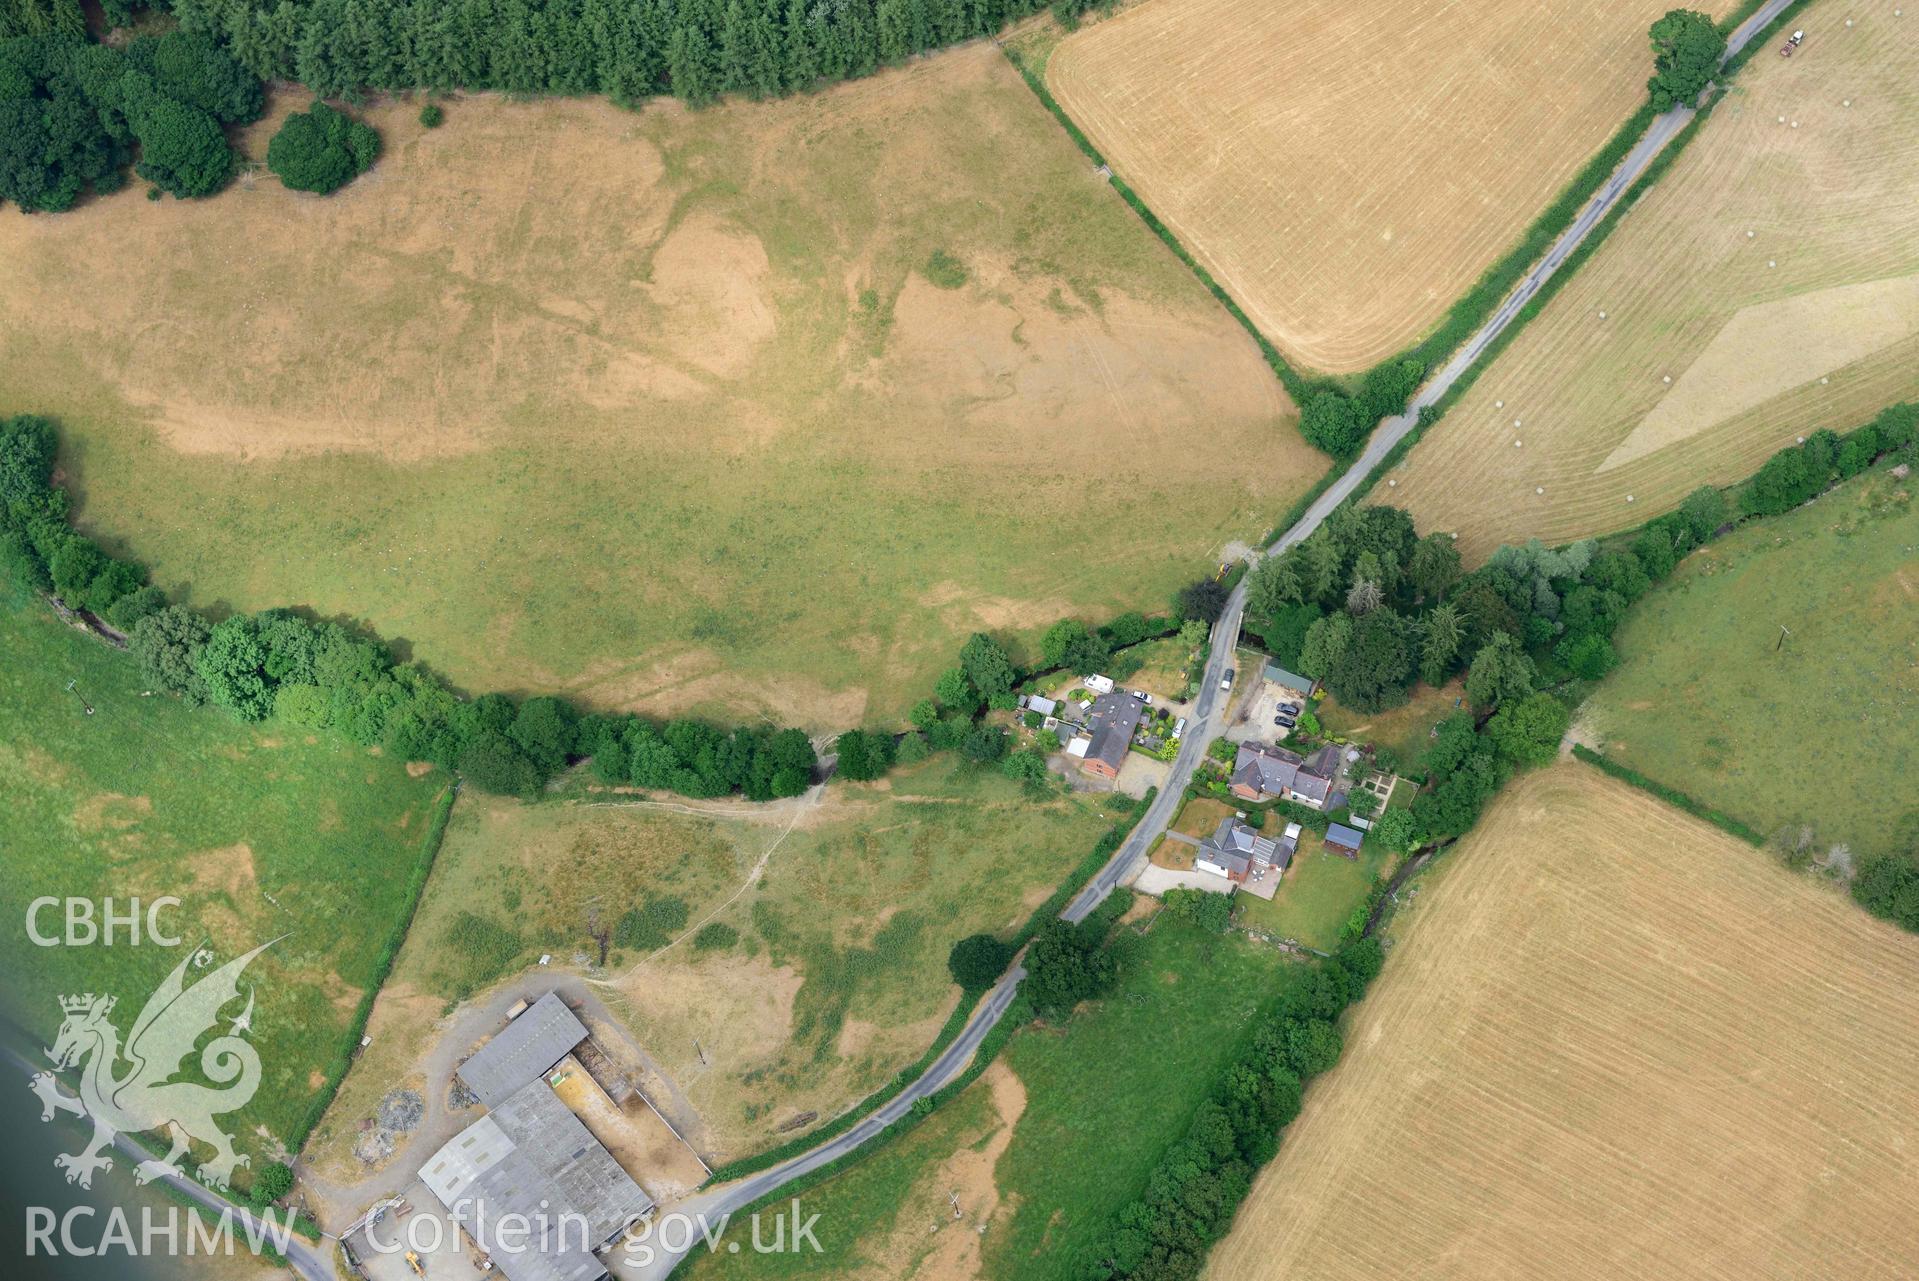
(1265, 771)
(1239, 853)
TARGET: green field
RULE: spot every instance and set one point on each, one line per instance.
(672, 410)
(1317, 895)
(1819, 729)
(1107, 1097)
(260, 833)
(1098, 1111)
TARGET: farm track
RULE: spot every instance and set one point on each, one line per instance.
(1209, 708)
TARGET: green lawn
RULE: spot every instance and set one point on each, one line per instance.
(1109, 1093)
(1317, 895)
(1820, 729)
(260, 833)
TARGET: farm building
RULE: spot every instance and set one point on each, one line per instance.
(531, 1157)
(1277, 675)
(529, 1045)
(1263, 771)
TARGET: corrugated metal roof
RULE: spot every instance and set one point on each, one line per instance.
(523, 1050)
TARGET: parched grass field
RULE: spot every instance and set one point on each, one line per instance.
(1610, 1041)
(759, 408)
(836, 977)
(258, 833)
(1346, 170)
(1820, 729)
(1772, 275)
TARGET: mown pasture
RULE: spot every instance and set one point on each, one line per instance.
(1765, 287)
(1813, 725)
(1610, 1040)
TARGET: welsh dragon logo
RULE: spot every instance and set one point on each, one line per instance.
(142, 1097)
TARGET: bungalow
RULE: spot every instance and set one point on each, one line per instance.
(1341, 839)
(1238, 853)
(1262, 772)
(1108, 736)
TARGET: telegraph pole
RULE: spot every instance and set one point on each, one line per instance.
(1784, 631)
(73, 688)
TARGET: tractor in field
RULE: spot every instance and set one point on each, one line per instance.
(1786, 50)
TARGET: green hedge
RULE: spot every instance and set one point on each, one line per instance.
(415, 890)
(1670, 795)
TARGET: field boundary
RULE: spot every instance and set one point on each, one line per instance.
(1296, 384)
(383, 968)
(1670, 795)
(1466, 313)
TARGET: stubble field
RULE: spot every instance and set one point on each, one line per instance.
(1772, 275)
(760, 408)
(1347, 170)
(1610, 1041)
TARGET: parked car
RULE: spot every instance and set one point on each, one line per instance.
(1291, 709)
(1226, 681)
(1142, 696)
(1284, 722)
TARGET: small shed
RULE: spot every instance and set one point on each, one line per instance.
(1342, 839)
(1044, 706)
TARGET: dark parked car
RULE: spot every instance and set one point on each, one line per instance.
(1285, 722)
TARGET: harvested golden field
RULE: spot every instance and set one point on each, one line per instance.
(1772, 275)
(763, 407)
(1347, 170)
(1611, 1041)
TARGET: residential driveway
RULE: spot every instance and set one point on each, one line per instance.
(1156, 880)
(1141, 772)
(1254, 720)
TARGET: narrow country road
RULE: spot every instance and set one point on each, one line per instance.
(1208, 714)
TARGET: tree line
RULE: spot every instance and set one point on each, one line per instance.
(1367, 607)
(324, 675)
(74, 114)
(1196, 1187)
(695, 50)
